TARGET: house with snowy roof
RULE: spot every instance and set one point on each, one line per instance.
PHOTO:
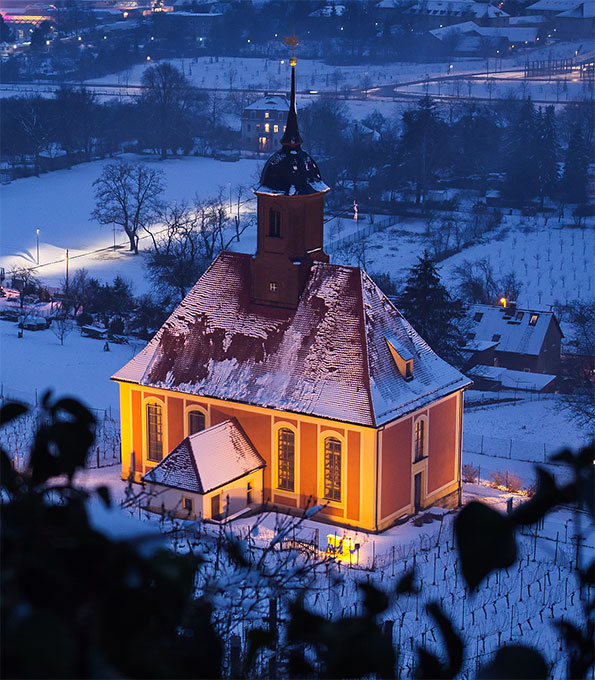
(506, 343)
(263, 123)
(282, 380)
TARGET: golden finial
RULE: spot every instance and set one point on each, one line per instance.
(293, 42)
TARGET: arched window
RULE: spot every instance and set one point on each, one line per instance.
(196, 421)
(332, 469)
(154, 432)
(420, 438)
(286, 459)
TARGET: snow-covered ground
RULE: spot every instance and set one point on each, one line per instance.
(517, 605)
(60, 203)
(553, 262)
(496, 87)
(80, 368)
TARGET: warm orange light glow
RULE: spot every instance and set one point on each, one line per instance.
(341, 547)
(267, 127)
(503, 301)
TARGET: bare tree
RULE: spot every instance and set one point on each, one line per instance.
(578, 368)
(24, 280)
(62, 326)
(167, 99)
(127, 194)
(192, 236)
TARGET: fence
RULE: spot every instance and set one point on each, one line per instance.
(359, 233)
(16, 438)
(509, 449)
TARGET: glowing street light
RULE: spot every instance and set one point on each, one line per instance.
(66, 257)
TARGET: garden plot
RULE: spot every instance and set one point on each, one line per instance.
(518, 605)
(552, 261)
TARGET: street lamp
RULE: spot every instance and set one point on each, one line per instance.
(67, 272)
(37, 246)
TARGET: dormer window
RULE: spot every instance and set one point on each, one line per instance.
(274, 223)
(496, 337)
(520, 315)
(478, 316)
(533, 319)
(403, 359)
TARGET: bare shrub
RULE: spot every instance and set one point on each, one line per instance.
(470, 473)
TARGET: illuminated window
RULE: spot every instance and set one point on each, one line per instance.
(275, 128)
(266, 114)
(273, 287)
(332, 469)
(533, 319)
(196, 422)
(154, 432)
(267, 127)
(420, 439)
(286, 459)
(187, 504)
(274, 223)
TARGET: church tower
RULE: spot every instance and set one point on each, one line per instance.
(290, 216)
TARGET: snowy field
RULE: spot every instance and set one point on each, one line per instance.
(62, 207)
(257, 73)
(554, 91)
(553, 262)
(80, 368)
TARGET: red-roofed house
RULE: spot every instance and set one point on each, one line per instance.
(283, 380)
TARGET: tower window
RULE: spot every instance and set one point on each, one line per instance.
(274, 223)
(332, 469)
(154, 432)
(273, 287)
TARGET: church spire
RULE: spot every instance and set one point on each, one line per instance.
(291, 138)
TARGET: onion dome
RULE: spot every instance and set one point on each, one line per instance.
(291, 171)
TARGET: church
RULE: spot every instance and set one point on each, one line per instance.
(284, 381)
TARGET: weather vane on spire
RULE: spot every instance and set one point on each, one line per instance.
(293, 42)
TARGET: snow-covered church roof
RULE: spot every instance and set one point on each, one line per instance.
(328, 358)
(207, 460)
